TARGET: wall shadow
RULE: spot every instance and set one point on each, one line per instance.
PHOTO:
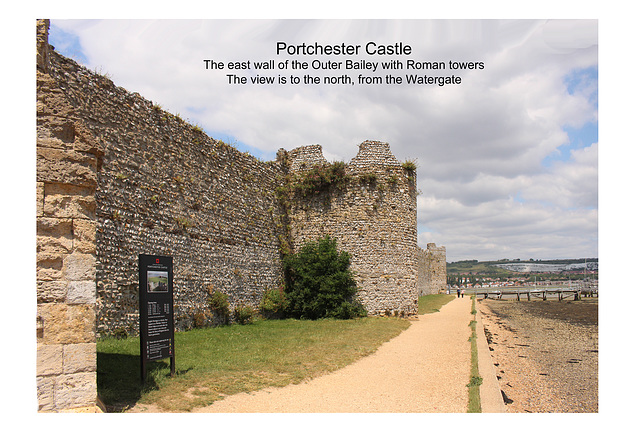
(119, 379)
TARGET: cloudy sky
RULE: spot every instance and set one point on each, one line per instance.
(508, 158)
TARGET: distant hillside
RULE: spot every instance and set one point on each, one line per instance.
(505, 267)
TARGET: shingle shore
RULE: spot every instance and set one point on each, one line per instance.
(544, 364)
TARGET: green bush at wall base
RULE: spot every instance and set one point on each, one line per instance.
(219, 304)
(319, 282)
(274, 303)
(244, 314)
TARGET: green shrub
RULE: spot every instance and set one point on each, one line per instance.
(274, 303)
(244, 314)
(349, 310)
(410, 165)
(321, 178)
(200, 319)
(368, 179)
(319, 282)
(219, 304)
(120, 333)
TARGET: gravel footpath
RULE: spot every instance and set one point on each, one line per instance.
(545, 353)
(424, 369)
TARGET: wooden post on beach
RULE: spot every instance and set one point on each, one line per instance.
(518, 295)
(529, 296)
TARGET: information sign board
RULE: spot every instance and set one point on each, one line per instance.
(156, 310)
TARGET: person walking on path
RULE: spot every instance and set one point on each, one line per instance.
(458, 292)
(424, 369)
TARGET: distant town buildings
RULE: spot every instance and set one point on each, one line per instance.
(527, 267)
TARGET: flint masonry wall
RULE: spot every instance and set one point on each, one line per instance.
(166, 188)
(373, 218)
(432, 269)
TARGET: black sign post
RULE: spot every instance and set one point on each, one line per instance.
(156, 310)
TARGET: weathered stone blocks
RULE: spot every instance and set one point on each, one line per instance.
(51, 291)
(39, 199)
(45, 392)
(49, 266)
(84, 236)
(79, 358)
(54, 235)
(49, 360)
(75, 390)
(81, 292)
(67, 323)
(67, 166)
(69, 205)
(79, 267)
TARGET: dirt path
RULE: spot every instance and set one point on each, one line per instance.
(424, 369)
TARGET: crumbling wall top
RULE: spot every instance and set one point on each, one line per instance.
(374, 155)
(42, 42)
(305, 157)
(438, 251)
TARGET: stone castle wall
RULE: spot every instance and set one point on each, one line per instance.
(117, 176)
(432, 265)
(166, 188)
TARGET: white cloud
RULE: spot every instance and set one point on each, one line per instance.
(480, 145)
(573, 184)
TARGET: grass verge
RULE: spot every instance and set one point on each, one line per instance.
(215, 362)
(432, 303)
(475, 379)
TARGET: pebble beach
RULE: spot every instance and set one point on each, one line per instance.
(545, 353)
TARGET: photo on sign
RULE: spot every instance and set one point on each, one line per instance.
(158, 281)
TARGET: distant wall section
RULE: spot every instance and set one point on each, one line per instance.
(432, 269)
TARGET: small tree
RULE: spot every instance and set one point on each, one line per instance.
(319, 282)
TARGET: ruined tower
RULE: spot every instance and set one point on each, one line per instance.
(372, 216)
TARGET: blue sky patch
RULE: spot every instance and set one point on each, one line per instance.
(67, 44)
(583, 137)
(241, 146)
(585, 81)
(580, 80)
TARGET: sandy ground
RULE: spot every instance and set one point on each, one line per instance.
(424, 369)
(545, 353)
